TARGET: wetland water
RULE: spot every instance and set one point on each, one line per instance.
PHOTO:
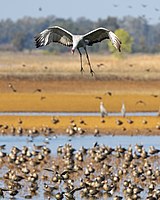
(77, 142)
(75, 114)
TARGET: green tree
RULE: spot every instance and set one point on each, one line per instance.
(126, 40)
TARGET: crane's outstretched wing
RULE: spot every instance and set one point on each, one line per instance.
(53, 34)
(100, 34)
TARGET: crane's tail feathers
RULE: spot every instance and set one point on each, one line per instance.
(115, 40)
(42, 39)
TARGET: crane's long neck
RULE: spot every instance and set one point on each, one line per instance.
(77, 40)
(75, 44)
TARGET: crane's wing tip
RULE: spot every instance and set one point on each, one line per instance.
(115, 41)
(39, 40)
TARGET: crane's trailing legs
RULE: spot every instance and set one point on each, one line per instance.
(81, 70)
(91, 70)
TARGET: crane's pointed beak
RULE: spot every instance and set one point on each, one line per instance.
(72, 50)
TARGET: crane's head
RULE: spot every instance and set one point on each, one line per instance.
(72, 50)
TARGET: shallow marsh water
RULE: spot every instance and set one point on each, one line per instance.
(75, 114)
(76, 141)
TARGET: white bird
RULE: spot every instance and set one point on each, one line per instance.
(123, 110)
(62, 36)
(103, 110)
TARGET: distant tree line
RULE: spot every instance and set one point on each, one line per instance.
(19, 35)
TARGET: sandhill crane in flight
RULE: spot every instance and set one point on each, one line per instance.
(64, 37)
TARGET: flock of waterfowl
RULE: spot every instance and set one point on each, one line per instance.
(99, 172)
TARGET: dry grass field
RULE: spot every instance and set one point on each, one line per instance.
(106, 67)
(47, 82)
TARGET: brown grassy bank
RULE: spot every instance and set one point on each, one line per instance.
(52, 102)
(139, 125)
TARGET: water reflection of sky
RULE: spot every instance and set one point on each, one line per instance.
(78, 141)
(75, 114)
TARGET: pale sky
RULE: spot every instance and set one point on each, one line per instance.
(90, 9)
